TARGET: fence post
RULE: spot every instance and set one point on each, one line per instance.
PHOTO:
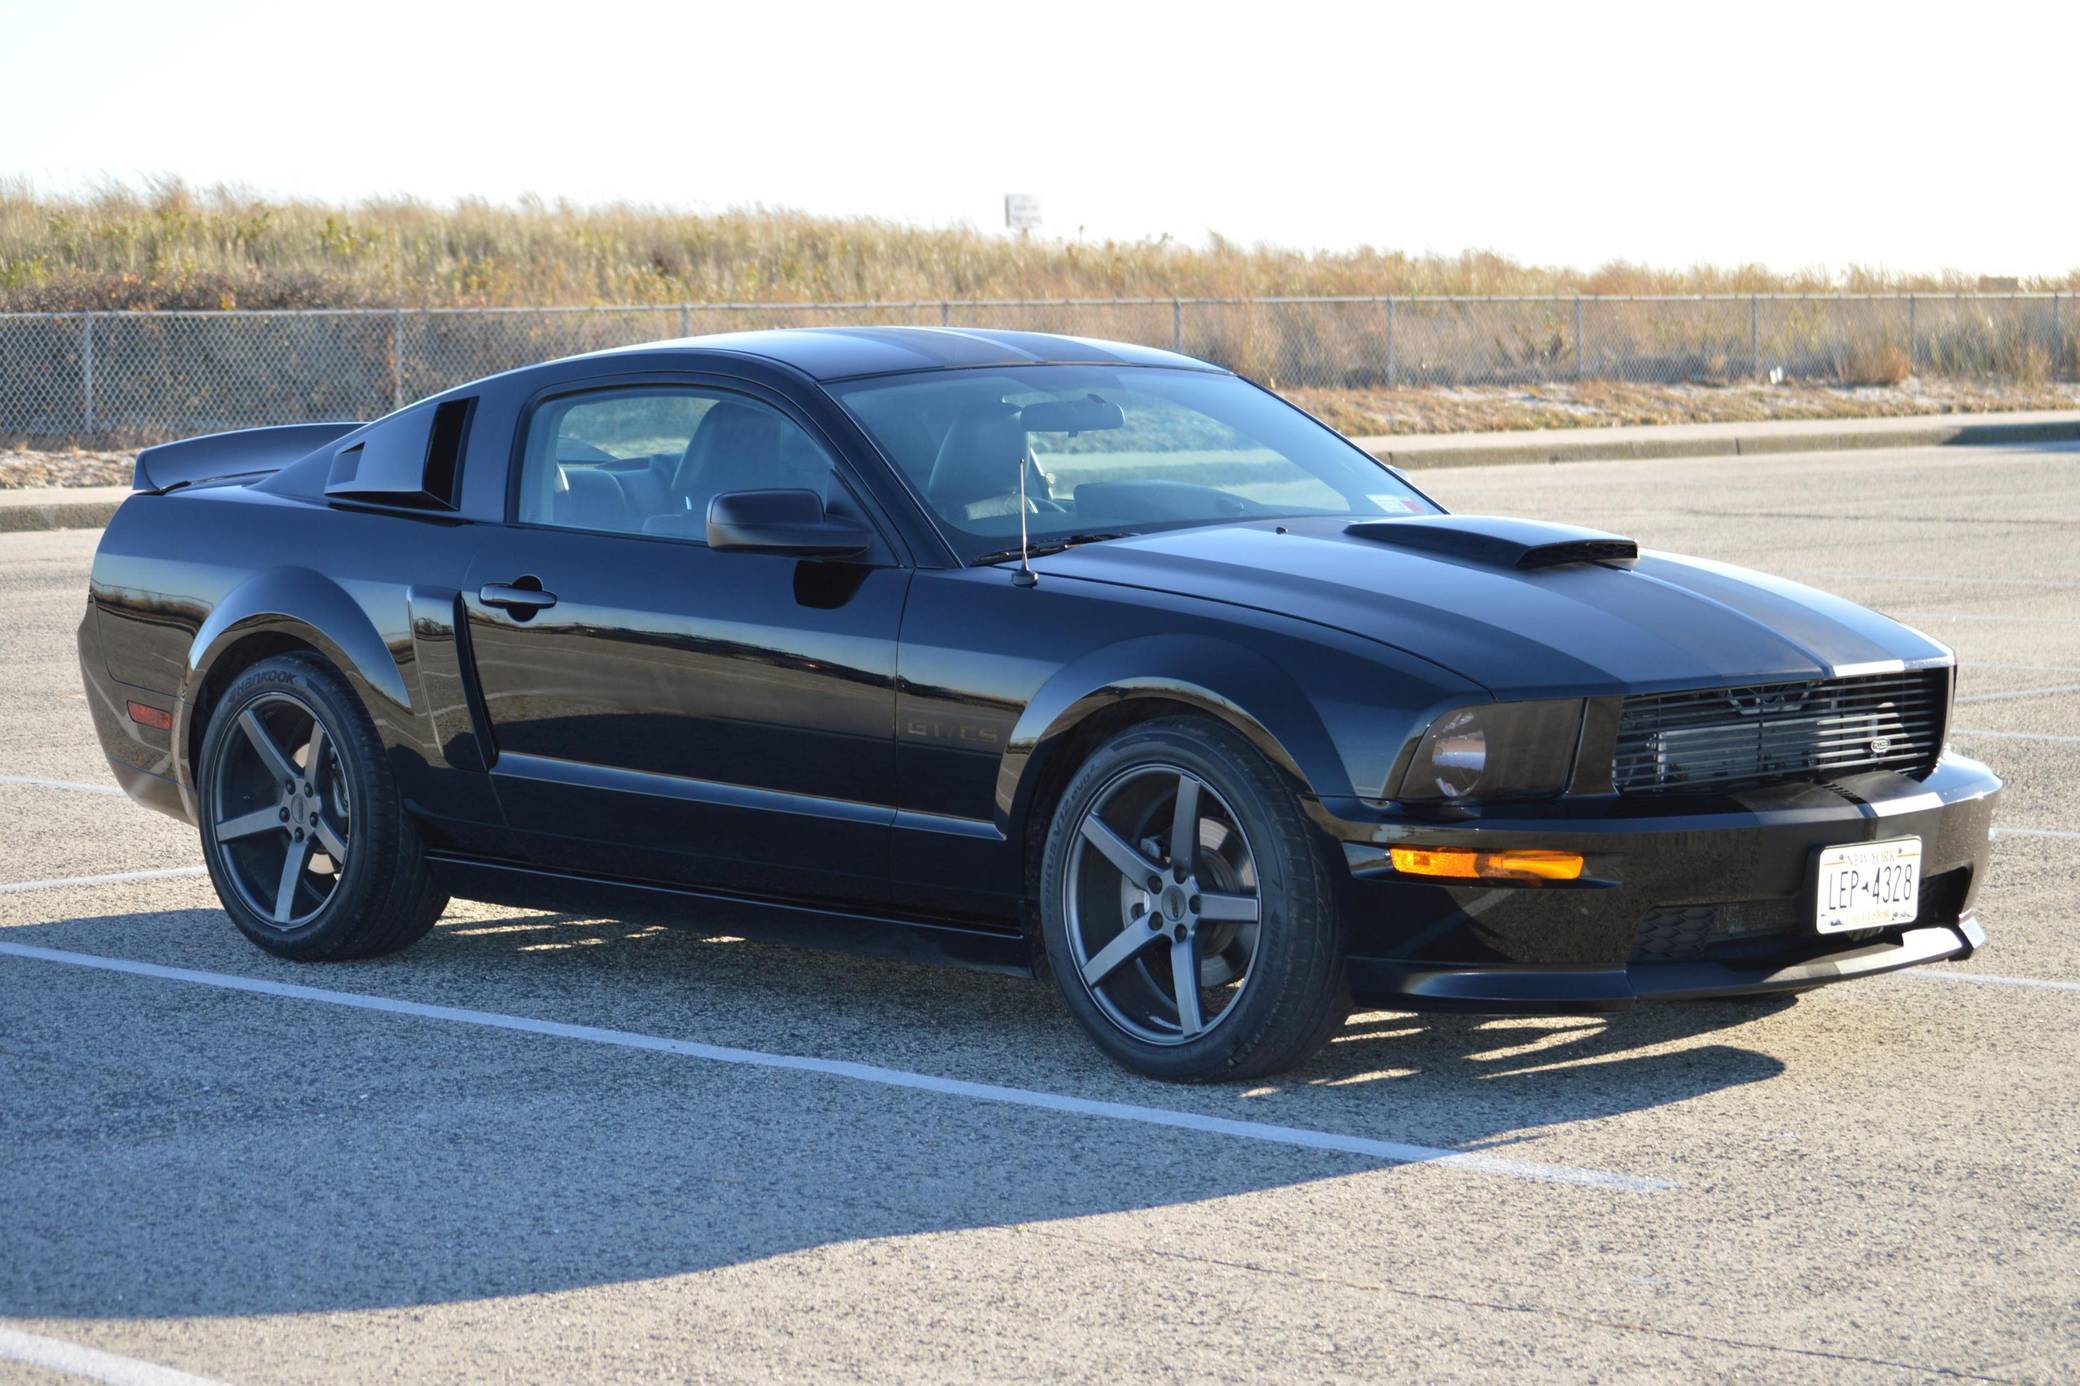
(685, 320)
(1577, 336)
(945, 313)
(397, 359)
(86, 373)
(1913, 337)
(2058, 338)
(1177, 325)
(1391, 371)
(1754, 336)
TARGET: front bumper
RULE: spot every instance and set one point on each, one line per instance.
(1680, 899)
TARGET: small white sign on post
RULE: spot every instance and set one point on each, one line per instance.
(1021, 211)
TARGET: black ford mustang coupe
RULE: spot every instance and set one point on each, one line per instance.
(1025, 652)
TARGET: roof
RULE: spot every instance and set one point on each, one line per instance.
(835, 353)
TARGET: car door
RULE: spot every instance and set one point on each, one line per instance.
(664, 711)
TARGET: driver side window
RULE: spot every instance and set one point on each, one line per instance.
(648, 459)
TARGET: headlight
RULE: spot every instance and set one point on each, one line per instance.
(1495, 751)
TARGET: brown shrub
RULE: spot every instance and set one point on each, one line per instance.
(1874, 363)
(173, 246)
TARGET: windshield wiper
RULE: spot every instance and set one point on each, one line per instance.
(1051, 546)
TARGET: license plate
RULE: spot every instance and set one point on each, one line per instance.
(1867, 885)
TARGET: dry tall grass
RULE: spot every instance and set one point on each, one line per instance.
(171, 246)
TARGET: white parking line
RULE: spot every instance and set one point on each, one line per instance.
(2036, 832)
(2016, 736)
(119, 878)
(54, 1354)
(1940, 974)
(34, 783)
(2021, 693)
(1391, 1152)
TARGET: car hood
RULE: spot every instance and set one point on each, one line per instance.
(1663, 622)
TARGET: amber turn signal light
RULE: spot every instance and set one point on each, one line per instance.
(151, 717)
(1522, 864)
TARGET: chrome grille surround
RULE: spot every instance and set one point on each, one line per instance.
(1757, 734)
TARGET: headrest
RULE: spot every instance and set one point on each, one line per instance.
(728, 430)
(979, 457)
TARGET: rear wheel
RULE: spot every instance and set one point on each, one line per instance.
(1186, 909)
(303, 830)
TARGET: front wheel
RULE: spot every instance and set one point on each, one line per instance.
(303, 830)
(1186, 911)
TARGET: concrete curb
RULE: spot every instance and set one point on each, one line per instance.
(59, 507)
(1714, 440)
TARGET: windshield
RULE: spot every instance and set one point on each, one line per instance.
(1110, 451)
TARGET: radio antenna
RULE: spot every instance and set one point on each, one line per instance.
(1025, 576)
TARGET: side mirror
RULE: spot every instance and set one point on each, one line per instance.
(788, 522)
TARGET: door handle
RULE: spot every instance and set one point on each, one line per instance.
(521, 601)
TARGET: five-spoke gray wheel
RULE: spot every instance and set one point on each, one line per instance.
(281, 810)
(303, 829)
(1161, 900)
(1185, 906)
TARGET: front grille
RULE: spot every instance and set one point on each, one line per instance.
(1731, 738)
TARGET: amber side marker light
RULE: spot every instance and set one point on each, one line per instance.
(1465, 864)
(151, 717)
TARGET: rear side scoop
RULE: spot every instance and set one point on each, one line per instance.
(246, 452)
(1498, 542)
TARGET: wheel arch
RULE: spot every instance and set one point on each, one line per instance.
(1090, 701)
(284, 611)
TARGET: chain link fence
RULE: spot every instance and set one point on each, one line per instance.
(164, 375)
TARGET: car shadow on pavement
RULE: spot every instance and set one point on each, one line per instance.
(175, 1149)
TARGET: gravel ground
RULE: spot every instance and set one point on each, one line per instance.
(1880, 1182)
(22, 467)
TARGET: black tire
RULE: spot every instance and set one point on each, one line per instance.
(1287, 992)
(272, 821)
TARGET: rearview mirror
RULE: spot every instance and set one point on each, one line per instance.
(789, 522)
(1071, 416)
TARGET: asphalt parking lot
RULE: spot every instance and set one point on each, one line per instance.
(550, 1148)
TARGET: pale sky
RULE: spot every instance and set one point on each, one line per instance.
(1913, 137)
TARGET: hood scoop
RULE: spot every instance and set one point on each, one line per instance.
(1495, 541)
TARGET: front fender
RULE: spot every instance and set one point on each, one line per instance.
(1225, 679)
(313, 609)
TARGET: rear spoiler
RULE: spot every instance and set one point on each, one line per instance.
(245, 452)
